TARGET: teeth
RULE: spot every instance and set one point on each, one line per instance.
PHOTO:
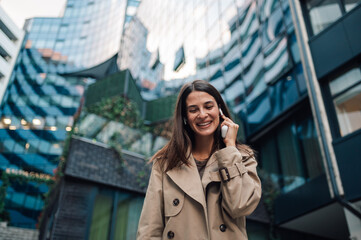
(203, 124)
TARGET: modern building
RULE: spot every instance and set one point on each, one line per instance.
(290, 72)
(58, 58)
(11, 38)
(100, 196)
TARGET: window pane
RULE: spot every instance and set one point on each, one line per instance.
(323, 13)
(268, 157)
(128, 213)
(101, 217)
(348, 109)
(351, 4)
(345, 80)
(291, 162)
(307, 136)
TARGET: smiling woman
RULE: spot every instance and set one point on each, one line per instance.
(199, 175)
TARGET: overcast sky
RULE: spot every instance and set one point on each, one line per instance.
(19, 10)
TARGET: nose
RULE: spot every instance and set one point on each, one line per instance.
(202, 113)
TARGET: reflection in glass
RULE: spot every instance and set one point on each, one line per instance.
(345, 81)
(266, 7)
(100, 223)
(351, 4)
(323, 13)
(253, 79)
(308, 139)
(269, 160)
(250, 23)
(276, 59)
(272, 27)
(251, 47)
(235, 94)
(290, 157)
(258, 111)
(232, 62)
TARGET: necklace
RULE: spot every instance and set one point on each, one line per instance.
(202, 159)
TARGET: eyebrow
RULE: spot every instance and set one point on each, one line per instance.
(206, 103)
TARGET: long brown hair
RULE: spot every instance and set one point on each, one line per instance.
(177, 151)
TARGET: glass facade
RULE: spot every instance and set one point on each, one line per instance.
(322, 13)
(37, 112)
(40, 103)
(249, 52)
(246, 49)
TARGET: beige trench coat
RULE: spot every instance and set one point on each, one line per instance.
(180, 205)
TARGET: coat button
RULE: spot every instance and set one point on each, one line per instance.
(222, 227)
(176, 202)
(170, 235)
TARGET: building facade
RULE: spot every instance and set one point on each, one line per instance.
(11, 38)
(42, 99)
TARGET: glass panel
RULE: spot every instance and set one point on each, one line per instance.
(345, 81)
(323, 13)
(290, 157)
(122, 219)
(250, 23)
(276, 60)
(307, 136)
(100, 224)
(268, 157)
(272, 27)
(258, 112)
(351, 4)
(348, 109)
(266, 7)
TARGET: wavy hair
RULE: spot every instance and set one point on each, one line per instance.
(177, 151)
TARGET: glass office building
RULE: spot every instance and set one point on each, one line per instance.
(249, 50)
(41, 100)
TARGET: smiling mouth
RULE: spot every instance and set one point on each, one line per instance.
(205, 124)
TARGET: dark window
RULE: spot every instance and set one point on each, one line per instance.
(290, 154)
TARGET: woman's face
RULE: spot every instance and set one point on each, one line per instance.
(202, 113)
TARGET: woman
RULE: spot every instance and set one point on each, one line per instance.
(201, 186)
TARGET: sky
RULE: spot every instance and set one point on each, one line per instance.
(20, 10)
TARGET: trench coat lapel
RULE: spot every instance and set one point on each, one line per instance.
(187, 178)
(211, 167)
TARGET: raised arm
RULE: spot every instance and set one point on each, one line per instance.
(242, 192)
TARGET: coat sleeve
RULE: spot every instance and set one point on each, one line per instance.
(241, 194)
(151, 223)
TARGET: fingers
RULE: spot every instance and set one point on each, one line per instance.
(231, 136)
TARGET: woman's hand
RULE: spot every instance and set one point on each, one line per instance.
(231, 136)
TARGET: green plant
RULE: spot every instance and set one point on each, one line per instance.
(119, 109)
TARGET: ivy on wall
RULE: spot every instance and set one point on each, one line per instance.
(121, 109)
(118, 109)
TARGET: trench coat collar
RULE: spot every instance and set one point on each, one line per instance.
(187, 178)
(211, 167)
